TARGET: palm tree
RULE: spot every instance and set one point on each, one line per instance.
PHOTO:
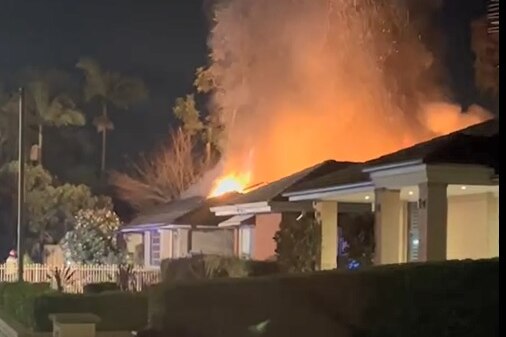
(109, 88)
(51, 110)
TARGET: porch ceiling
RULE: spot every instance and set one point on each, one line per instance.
(410, 193)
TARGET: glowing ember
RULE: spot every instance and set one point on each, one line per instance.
(231, 183)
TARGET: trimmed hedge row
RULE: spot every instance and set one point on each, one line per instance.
(117, 310)
(97, 288)
(31, 305)
(198, 267)
(15, 299)
(451, 298)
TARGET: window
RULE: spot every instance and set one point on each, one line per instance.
(413, 232)
(154, 240)
(246, 242)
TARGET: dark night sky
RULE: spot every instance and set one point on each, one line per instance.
(161, 41)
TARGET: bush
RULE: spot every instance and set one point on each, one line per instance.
(452, 298)
(117, 310)
(16, 299)
(97, 288)
(199, 267)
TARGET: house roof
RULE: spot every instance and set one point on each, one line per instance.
(273, 191)
(192, 211)
(478, 144)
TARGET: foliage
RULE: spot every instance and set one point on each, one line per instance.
(118, 311)
(185, 110)
(15, 299)
(125, 277)
(486, 49)
(358, 239)
(200, 267)
(61, 277)
(53, 109)
(50, 206)
(450, 298)
(109, 88)
(93, 239)
(298, 243)
(97, 288)
(162, 176)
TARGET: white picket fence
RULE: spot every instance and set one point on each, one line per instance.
(82, 275)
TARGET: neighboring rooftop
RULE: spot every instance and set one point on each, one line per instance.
(478, 144)
(188, 211)
(273, 191)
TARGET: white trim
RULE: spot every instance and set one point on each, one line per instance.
(236, 220)
(256, 207)
(397, 170)
(318, 194)
(389, 167)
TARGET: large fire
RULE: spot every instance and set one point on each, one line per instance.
(231, 183)
(300, 82)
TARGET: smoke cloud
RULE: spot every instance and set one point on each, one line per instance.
(302, 81)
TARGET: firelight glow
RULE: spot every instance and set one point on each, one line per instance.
(230, 183)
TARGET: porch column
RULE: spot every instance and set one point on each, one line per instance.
(388, 227)
(433, 213)
(326, 215)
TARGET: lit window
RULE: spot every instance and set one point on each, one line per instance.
(154, 246)
(246, 242)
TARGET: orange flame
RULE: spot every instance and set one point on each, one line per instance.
(231, 183)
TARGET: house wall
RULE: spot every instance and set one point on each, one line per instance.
(266, 226)
(473, 226)
(135, 247)
(166, 243)
(216, 241)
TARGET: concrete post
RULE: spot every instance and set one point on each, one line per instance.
(433, 213)
(388, 227)
(326, 215)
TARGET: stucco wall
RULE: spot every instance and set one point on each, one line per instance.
(473, 226)
(266, 226)
(219, 242)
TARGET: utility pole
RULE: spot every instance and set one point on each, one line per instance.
(21, 184)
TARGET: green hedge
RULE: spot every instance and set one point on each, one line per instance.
(117, 310)
(97, 288)
(199, 267)
(15, 299)
(452, 298)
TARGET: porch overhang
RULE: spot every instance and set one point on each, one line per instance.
(399, 175)
(323, 193)
(262, 207)
(149, 227)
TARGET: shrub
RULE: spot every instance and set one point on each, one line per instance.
(262, 268)
(199, 267)
(452, 298)
(96, 288)
(117, 310)
(16, 299)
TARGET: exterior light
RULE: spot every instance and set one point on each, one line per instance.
(416, 242)
(410, 192)
(463, 187)
(367, 197)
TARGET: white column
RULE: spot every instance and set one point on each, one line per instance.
(388, 227)
(326, 215)
(433, 213)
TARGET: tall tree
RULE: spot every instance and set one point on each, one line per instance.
(109, 88)
(163, 175)
(51, 109)
(50, 206)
